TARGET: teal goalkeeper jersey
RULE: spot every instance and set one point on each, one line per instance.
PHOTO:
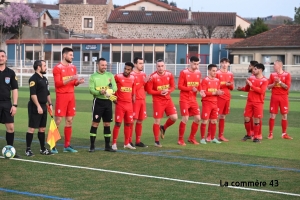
(100, 82)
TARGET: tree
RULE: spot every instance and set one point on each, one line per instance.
(172, 3)
(164, 1)
(239, 33)
(297, 15)
(258, 26)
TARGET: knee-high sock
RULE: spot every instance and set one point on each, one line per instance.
(251, 126)
(181, 130)
(138, 132)
(221, 127)
(260, 128)
(168, 123)
(194, 129)
(213, 128)
(248, 127)
(93, 135)
(271, 125)
(256, 130)
(208, 130)
(156, 132)
(68, 135)
(115, 134)
(107, 136)
(284, 124)
(29, 137)
(10, 138)
(131, 132)
(127, 130)
(202, 130)
(41, 136)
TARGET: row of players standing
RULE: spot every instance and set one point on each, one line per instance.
(214, 90)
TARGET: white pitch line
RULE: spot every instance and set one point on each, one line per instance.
(154, 177)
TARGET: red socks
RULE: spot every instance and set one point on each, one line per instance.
(138, 132)
(202, 130)
(248, 127)
(168, 123)
(213, 128)
(68, 134)
(127, 132)
(221, 127)
(284, 124)
(194, 130)
(156, 131)
(181, 130)
(115, 134)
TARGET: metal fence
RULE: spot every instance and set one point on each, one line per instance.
(24, 69)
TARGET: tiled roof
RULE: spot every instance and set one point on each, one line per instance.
(43, 6)
(156, 2)
(167, 17)
(283, 36)
(94, 2)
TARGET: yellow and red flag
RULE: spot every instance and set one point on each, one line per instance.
(53, 133)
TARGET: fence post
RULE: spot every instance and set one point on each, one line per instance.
(21, 75)
(94, 67)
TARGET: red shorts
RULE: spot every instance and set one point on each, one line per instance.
(65, 105)
(224, 106)
(123, 110)
(159, 107)
(209, 110)
(254, 109)
(281, 101)
(139, 109)
(190, 108)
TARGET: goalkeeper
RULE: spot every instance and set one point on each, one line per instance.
(102, 86)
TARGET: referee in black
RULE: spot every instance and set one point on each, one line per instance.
(8, 83)
(37, 108)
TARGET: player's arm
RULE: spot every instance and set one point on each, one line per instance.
(172, 84)
(15, 95)
(271, 82)
(287, 84)
(150, 89)
(92, 87)
(261, 89)
(114, 84)
(230, 85)
(181, 80)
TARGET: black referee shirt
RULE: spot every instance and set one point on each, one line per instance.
(39, 86)
(8, 82)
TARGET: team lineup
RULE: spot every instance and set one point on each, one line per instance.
(127, 91)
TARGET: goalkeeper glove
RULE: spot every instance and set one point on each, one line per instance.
(112, 97)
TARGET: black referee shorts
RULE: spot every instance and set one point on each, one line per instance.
(5, 115)
(36, 120)
(102, 108)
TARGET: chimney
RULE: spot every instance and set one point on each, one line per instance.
(84, 1)
(189, 14)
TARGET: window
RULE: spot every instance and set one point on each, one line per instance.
(87, 23)
(245, 59)
(297, 60)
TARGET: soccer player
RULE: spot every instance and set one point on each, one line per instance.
(256, 85)
(123, 109)
(139, 106)
(65, 79)
(189, 84)
(8, 109)
(37, 108)
(102, 85)
(211, 87)
(160, 85)
(250, 70)
(279, 83)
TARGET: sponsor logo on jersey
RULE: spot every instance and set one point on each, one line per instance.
(126, 89)
(163, 87)
(102, 88)
(66, 77)
(31, 84)
(195, 84)
(7, 80)
(212, 89)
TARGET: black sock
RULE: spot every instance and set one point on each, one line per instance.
(41, 136)
(29, 137)
(10, 138)
(93, 133)
(107, 135)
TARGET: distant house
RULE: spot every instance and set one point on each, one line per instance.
(85, 16)
(279, 43)
(47, 14)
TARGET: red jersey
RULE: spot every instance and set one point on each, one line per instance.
(257, 90)
(225, 77)
(158, 82)
(209, 86)
(187, 80)
(126, 87)
(62, 72)
(139, 85)
(285, 78)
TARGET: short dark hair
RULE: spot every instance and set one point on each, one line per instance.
(66, 50)
(225, 59)
(100, 59)
(2, 51)
(37, 63)
(129, 64)
(253, 62)
(210, 66)
(260, 66)
(194, 59)
(136, 59)
(160, 60)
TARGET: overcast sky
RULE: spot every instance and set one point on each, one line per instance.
(244, 8)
